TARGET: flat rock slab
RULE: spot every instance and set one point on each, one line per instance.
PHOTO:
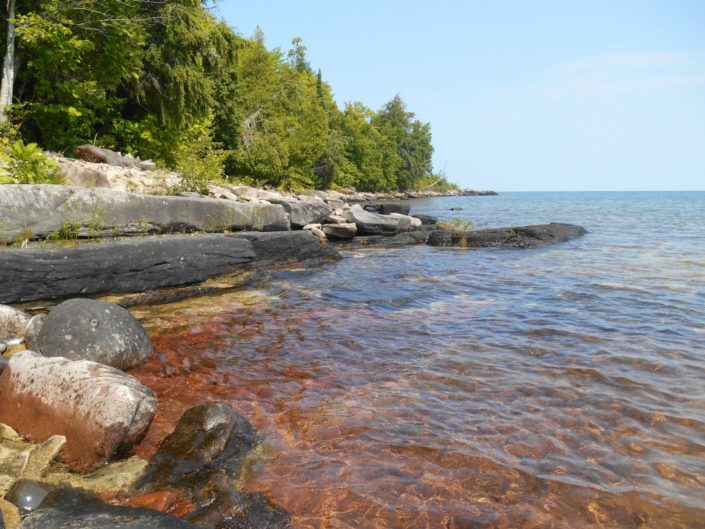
(283, 247)
(520, 237)
(124, 266)
(97, 408)
(72, 509)
(369, 223)
(40, 211)
(89, 329)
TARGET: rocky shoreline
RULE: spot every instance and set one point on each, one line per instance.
(71, 413)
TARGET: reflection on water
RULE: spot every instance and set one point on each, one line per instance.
(423, 387)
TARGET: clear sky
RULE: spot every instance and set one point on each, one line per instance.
(521, 95)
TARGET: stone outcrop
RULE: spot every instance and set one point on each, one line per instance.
(43, 211)
(283, 247)
(303, 212)
(73, 509)
(89, 329)
(124, 266)
(519, 237)
(97, 408)
(369, 223)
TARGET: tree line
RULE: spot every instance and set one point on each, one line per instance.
(167, 80)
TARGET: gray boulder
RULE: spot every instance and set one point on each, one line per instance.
(89, 329)
(369, 223)
(99, 409)
(306, 212)
(13, 322)
(386, 208)
(38, 211)
(347, 230)
(73, 509)
(520, 237)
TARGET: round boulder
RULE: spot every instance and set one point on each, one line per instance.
(88, 329)
(12, 322)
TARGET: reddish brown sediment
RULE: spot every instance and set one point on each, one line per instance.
(334, 450)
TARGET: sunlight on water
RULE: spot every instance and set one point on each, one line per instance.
(423, 387)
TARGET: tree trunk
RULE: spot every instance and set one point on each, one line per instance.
(8, 64)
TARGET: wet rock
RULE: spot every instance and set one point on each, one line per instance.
(289, 246)
(163, 501)
(99, 409)
(72, 509)
(387, 208)
(371, 223)
(89, 329)
(234, 510)
(120, 476)
(521, 237)
(347, 230)
(3, 361)
(27, 495)
(12, 322)
(403, 239)
(207, 439)
(122, 266)
(20, 459)
(427, 220)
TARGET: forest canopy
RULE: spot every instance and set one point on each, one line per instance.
(167, 80)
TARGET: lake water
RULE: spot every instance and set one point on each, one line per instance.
(447, 388)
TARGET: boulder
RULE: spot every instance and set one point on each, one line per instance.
(406, 223)
(427, 220)
(41, 211)
(301, 213)
(13, 322)
(207, 439)
(123, 266)
(72, 509)
(393, 207)
(99, 409)
(347, 230)
(235, 510)
(520, 237)
(369, 223)
(334, 218)
(89, 329)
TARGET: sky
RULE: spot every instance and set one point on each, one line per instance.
(521, 95)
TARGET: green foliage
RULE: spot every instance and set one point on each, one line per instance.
(26, 164)
(166, 80)
(199, 159)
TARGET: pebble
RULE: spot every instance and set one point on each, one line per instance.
(27, 495)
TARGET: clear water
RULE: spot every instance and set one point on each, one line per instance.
(426, 387)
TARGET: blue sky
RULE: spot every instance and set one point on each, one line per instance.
(540, 95)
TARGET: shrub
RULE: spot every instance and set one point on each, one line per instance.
(455, 225)
(22, 163)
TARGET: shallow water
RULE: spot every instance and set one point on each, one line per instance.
(425, 387)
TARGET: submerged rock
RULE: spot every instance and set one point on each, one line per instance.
(120, 476)
(13, 322)
(235, 510)
(521, 237)
(98, 408)
(72, 509)
(207, 439)
(27, 495)
(89, 329)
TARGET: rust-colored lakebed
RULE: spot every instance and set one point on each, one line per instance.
(420, 412)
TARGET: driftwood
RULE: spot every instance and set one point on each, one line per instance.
(92, 153)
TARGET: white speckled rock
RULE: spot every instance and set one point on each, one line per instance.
(98, 408)
(12, 322)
